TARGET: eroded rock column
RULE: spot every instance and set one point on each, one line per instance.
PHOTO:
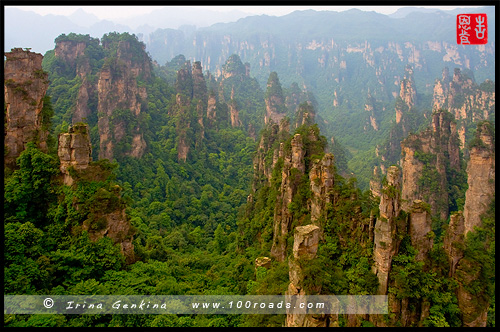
(305, 247)
(74, 150)
(25, 85)
(385, 229)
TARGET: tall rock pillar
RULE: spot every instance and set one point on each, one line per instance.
(385, 229)
(480, 178)
(25, 85)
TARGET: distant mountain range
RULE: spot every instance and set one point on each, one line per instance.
(41, 39)
(41, 30)
(403, 12)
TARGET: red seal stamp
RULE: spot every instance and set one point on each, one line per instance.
(472, 29)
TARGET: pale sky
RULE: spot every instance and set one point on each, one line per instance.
(118, 12)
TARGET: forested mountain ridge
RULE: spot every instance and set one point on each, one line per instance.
(215, 205)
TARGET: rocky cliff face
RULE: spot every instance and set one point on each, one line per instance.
(321, 178)
(301, 215)
(234, 67)
(195, 109)
(420, 230)
(426, 160)
(271, 145)
(375, 182)
(184, 81)
(480, 193)
(86, 93)
(181, 109)
(441, 87)
(436, 149)
(454, 240)
(465, 271)
(211, 106)
(275, 101)
(407, 120)
(385, 240)
(391, 228)
(108, 216)
(74, 151)
(481, 177)
(303, 176)
(25, 85)
(199, 83)
(370, 109)
(73, 55)
(305, 114)
(294, 97)
(473, 305)
(110, 77)
(293, 170)
(69, 51)
(305, 247)
(403, 235)
(268, 152)
(465, 99)
(111, 220)
(121, 101)
(234, 114)
(407, 93)
(240, 97)
(463, 268)
(199, 108)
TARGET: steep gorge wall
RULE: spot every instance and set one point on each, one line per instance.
(481, 177)
(427, 158)
(465, 270)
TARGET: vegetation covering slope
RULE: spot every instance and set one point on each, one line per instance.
(195, 230)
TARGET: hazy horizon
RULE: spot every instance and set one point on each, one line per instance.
(143, 20)
(123, 12)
